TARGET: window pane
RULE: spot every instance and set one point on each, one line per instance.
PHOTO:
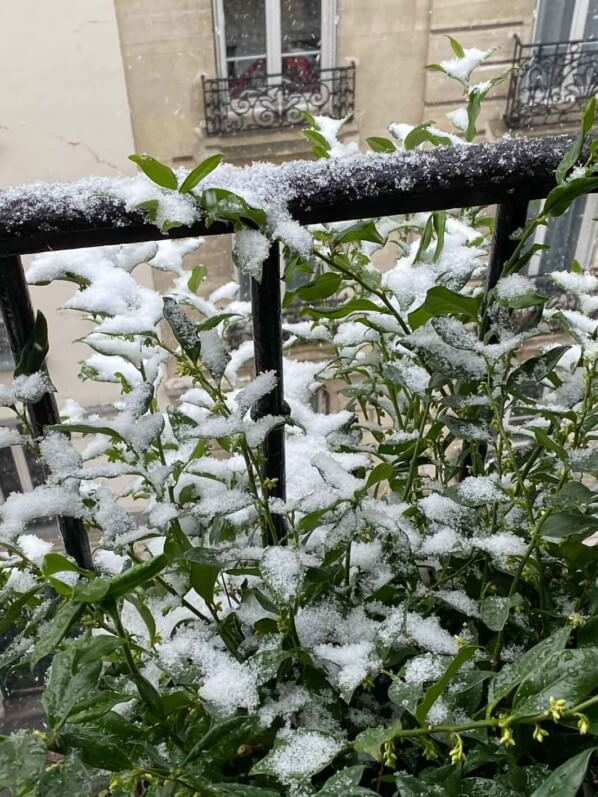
(591, 31)
(554, 20)
(562, 235)
(245, 26)
(9, 478)
(301, 23)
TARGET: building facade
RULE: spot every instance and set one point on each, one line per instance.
(181, 79)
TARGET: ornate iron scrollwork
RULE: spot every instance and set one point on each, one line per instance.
(551, 82)
(260, 102)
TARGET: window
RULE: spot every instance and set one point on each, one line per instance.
(7, 362)
(571, 236)
(261, 38)
(566, 20)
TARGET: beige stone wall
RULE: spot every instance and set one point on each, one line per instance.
(166, 46)
(388, 41)
(64, 115)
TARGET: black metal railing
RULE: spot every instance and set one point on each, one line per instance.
(261, 101)
(509, 173)
(551, 82)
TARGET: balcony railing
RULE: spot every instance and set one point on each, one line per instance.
(509, 173)
(551, 82)
(262, 102)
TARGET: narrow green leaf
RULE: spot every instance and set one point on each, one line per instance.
(382, 472)
(432, 694)
(380, 144)
(35, 349)
(22, 760)
(457, 47)
(200, 172)
(52, 634)
(157, 172)
(135, 576)
(566, 780)
(326, 285)
(494, 612)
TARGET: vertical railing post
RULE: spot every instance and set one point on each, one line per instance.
(18, 317)
(510, 217)
(267, 337)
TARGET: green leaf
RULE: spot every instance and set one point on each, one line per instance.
(569, 674)
(521, 301)
(52, 633)
(535, 370)
(561, 197)
(57, 563)
(372, 740)
(571, 494)
(157, 172)
(71, 778)
(567, 779)
(111, 742)
(380, 144)
(361, 231)
(408, 786)
(183, 328)
(135, 576)
(12, 612)
(223, 205)
(442, 301)
(548, 443)
(564, 524)
(432, 694)
(352, 306)
(474, 107)
(35, 349)
(197, 275)
(321, 146)
(422, 133)
(439, 222)
(573, 154)
(22, 760)
(203, 580)
(200, 172)
(405, 695)
(92, 591)
(457, 47)
(345, 783)
(382, 472)
(74, 675)
(512, 674)
(494, 612)
(327, 284)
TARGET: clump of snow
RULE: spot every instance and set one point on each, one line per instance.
(263, 384)
(34, 548)
(459, 118)
(250, 250)
(351, 663)
(109, 562)
(461, 68)
(513, 287)
(27, 388)
(477, 490)
(282, 571)
(301, 754)
(330, 129)
(9, 437)
(21, 508)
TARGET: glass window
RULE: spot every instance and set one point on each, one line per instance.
(554, 20)
(591, 28)
(301, 30)
(9, 477)
(245, 38)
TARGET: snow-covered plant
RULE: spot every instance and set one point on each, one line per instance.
(427, 624)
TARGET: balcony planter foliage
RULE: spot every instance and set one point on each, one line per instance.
(426, 621)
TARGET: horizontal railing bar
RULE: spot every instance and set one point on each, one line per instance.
(34, 219)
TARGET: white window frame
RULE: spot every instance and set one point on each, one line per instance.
(329, 22)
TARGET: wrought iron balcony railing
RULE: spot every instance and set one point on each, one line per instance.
(261, 101)
(509, 173)
(551, 82)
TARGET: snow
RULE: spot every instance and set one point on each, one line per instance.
(330, 129)
(478, 490)
(461, 68)
(513, 287)
(27, 388)
(500, 545)
(424, 668)
(442, 508)
(170, 254)
(352, 663)
(259, 387)
(403, 626)
(460, 601)
(459, 118)
(213, 352)
(21, 508)
(34, 548)
(250, 250)
(109, 562)
(575, 283)
(9, 437)
(300, 754)
(282, 571)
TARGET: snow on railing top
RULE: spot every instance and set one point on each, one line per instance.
(101, 210)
